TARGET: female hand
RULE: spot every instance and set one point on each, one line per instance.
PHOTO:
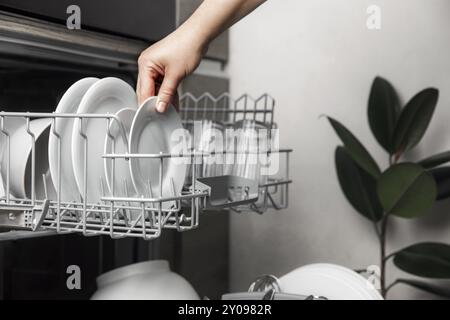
(163, 65)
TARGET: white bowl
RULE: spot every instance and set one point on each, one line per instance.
(21, 160)
(149, 280)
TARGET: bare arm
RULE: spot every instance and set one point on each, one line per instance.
(164, 64)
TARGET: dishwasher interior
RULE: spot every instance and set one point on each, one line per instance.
(34, 73)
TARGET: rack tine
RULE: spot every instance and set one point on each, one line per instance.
(102, 187)
(225, 97)
(174, 194)
(85, 172)
(8, 159)
(58, 178)
(126, 192)
(205, 98)
(262, 98)
(44, 181)
(110, 136)
(142, 218)
(153, 207)
(33, 160)
(150, 192)
(184, 102)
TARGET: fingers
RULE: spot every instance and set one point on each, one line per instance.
(167, 91)
(146, 84)
(138, 88)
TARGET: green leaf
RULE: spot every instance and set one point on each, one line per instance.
(435, 160)
(406, 190)
(383, 111)
(355, 149)
(442, 178)
(427, 259)
(358, 186)
(428, 287)
(414, 119)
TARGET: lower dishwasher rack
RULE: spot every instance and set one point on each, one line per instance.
(146, 216)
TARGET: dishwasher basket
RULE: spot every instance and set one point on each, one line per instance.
(145, 217)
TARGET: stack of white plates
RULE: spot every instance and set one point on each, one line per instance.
(329, 280)
(75, 163)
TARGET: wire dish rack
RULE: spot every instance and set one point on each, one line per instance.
(146, 216)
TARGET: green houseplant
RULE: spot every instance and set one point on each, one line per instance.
(403, 189)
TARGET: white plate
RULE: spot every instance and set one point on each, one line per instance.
(331, 281)
(21, 159)
(63, 126)
(151, 133)
(108, 95)
(10, 126)
(115, 143)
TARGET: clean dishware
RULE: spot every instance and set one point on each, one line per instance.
(63, 127)
(116, 142)
(265, 283)
(150, 280)
(10, 125)
(331, 281)
(252, 141)
(212, 141)
(106, 96)
(153, 132)
(21, 161)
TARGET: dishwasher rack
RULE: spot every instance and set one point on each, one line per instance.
(146, 216)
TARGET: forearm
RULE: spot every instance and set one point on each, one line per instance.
(179, 54)
(214, 16)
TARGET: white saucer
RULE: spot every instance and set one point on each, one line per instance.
(331, 281)
(63, 126)
(151, 133)
(123, 185)
(106, 96)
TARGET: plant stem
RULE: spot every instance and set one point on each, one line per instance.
(389, 256)
(392, 159)
(375, 226)
(389, 287)
(360, 270)
(383, 255)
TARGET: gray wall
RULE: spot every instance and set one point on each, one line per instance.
(316, 57)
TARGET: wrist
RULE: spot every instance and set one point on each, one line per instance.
(197, 37)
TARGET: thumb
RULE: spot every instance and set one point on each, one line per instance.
(167, 91)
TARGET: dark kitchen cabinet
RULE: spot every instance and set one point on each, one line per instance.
(143, 19)
(148, 20)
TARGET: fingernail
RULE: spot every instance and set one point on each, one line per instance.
(161, 106)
